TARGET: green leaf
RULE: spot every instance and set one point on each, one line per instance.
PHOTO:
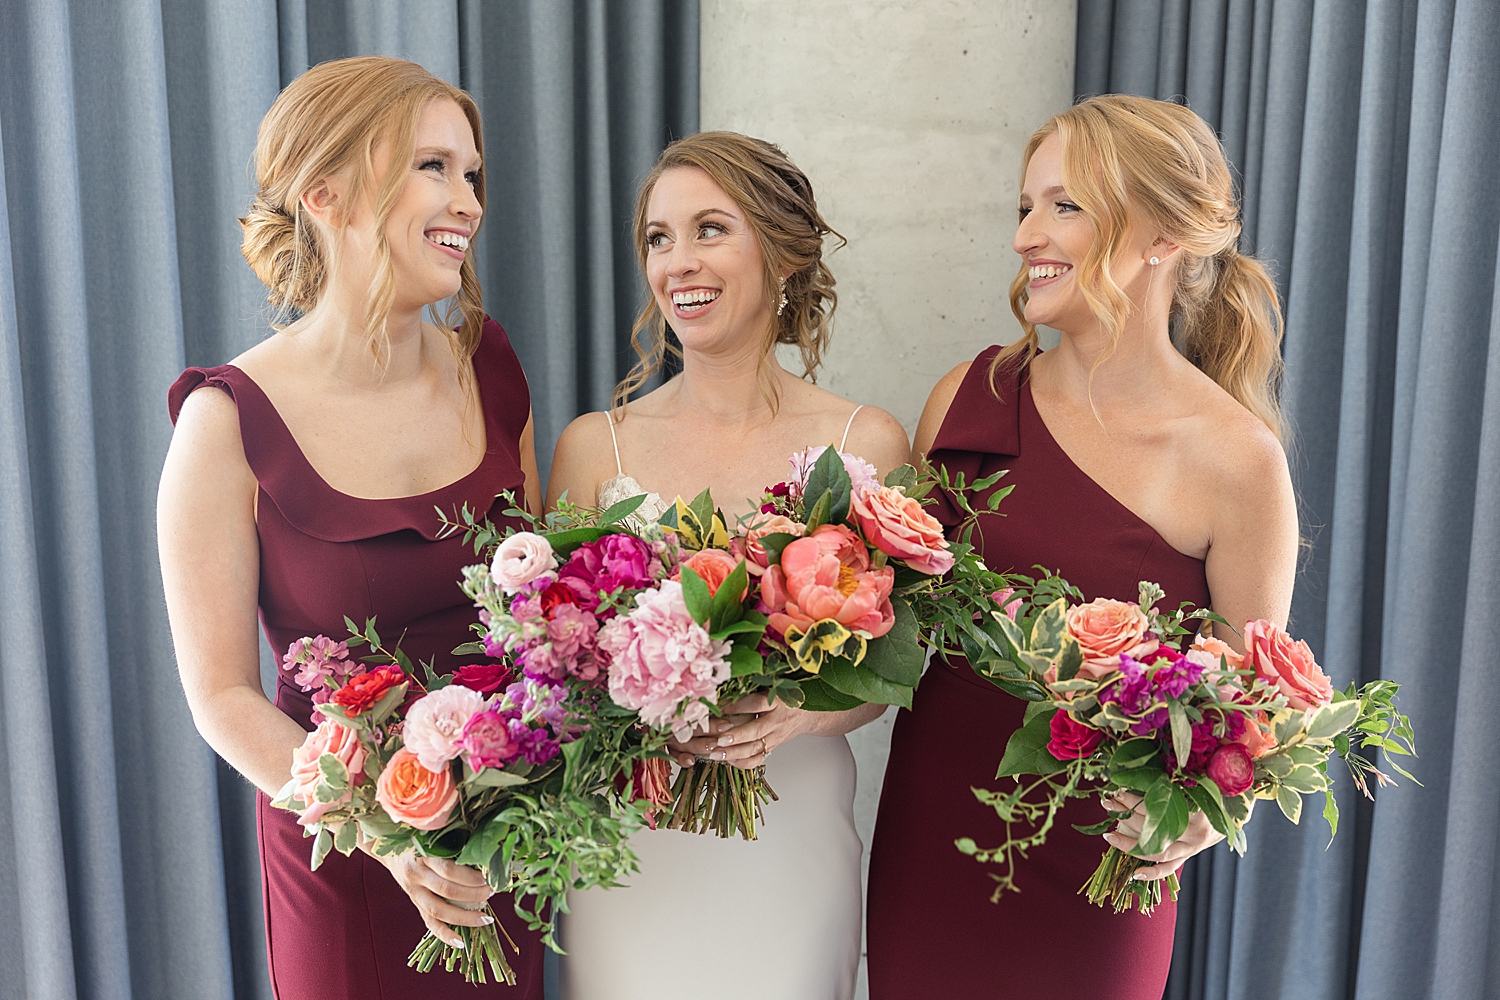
(897, 656)
(817, 516)
(695, 596)
(564, 542)
(728, 603)
(1050, 626)
(703, 509)
(1211, 806)
(1137, 779)
(1327, 722)
(774, 543)
(965, 845)
(745, 660)
(1166, 817)
(1288, 727)
(469, 649)
(347, 838)
(1026, 752)
(819, 696)
(620, 511)
(751, 624)
(1331, 814)
(1305, 780)
(1007, 630)
(322, 844)
(870, 688)
(1097, 828)
(1277, 765)
(333, 771)
(483, 843)
(903, 477)
(828, 476)
(1132, 754)
(1182, 733)
(1290, 803)
(1237, 808)
(489, 777)
(1069, 659)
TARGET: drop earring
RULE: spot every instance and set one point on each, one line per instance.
(781, 306)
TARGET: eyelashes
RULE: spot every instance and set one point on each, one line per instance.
(706, 230)
(472, 177)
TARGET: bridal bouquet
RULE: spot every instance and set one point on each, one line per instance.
(1117, 703)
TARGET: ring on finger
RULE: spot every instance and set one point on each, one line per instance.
(765, 749)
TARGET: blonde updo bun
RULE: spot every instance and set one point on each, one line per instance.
(283, 254)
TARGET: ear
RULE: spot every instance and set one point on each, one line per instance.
(324, 202)
(1161, 248)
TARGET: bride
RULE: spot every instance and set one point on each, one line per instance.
(731, 243)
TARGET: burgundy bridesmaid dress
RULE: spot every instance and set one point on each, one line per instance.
(347, 929)
(933, 931)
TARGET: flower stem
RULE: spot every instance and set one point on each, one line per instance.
(721, 798)
(1112, 883)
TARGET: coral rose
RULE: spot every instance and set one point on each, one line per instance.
(1288, 664)
(1253, 735)
(363, 691)
(897, 525)
(332, 738)
(1072, 739)
(749, 544)
(435, 723)
(1105, 629)
(713, 566)
(520, 559)
(1232, 769)
(414, 795)
(812, 585)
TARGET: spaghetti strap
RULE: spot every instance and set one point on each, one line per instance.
(850, 424)
(620, 469)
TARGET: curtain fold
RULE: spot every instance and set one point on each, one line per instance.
(1365, 139)
(127, 850)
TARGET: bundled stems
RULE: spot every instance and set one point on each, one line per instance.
(480, 944)
(721, 798)
(1113, 882)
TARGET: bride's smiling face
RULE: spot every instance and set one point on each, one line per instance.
(704, 263)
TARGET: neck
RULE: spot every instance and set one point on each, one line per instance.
(336, 335)
(1084, 368)
(725, 386)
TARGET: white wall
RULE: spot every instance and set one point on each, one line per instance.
(910, 120)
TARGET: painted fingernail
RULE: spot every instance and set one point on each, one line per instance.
(725, 741)
(486, 920)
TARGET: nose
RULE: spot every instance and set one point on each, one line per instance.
(465, 202)
(1029, 236)
(682, 259)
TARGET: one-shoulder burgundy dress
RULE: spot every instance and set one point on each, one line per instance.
(347, 929)
(933, 931)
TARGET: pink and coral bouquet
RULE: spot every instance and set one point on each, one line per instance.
(1118, 702)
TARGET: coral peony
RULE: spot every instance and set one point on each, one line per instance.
(486, 741)
(1289, 665)
(609, 564)
(1072, 739)
(331, 738)
(660, 660)
(415, 795)
(1232, 769)
(713, 565)
(363, 691)
(435, 723)
(1105, 629)
(898, 526)
(520, 559)
(812, 584)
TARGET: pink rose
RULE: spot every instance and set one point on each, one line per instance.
(713, 566)
(1105, 629)
(1232, 769)
(1008, 604)
(486, 741)
(435, 724)
(415, 795)
(1072, 739)
(897, 525)
(1289, 665)
(749, 544)
(812, 584)
(343, 743)
(520, 559)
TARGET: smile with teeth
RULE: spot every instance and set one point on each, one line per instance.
(449, 240)
(1040, 272)
(690, 302)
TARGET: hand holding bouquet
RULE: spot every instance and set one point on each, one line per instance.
(1118, 705)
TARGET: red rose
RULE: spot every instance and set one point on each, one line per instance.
(486, 678)
(1072, 739)
(555, 594)
(362, 691)
(1232, 768)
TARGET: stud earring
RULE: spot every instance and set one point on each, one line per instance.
(781, 306)
(1155, 261)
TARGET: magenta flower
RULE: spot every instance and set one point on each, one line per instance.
(611, 563)
(486, 741)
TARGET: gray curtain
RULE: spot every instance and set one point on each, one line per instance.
(127, 853)
(1367, 139)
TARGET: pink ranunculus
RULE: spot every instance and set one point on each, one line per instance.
(1009, 604)
(343, 743)
(713, 566)
(435, 724)
(520, 559)
(749, 544)
(1232, 769)
(606, 565)
(486, 741)
(661, 659)
(1105, 629)
(897, 525)
(1072, 739)
(861, 473)
(416, 795)
(811, 585)
(1288, 664)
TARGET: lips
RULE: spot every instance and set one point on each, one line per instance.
(690, 302)
(1046, 272)
(454, 244)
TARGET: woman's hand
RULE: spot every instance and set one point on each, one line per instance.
(1200, 836)
(431, 883)
(706, 741)
(757, 728)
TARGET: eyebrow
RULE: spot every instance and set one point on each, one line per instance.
(446, 154)
(697, 218)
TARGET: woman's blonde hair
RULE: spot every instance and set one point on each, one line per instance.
(778, 203)
(1124, 154)
(329, 121)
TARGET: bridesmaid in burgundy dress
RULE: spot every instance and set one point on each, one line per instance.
(1131, 460)
(301, 482)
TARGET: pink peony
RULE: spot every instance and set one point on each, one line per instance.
(435, 724)
(520, 559)
(609, 564)
(749, 544)
(1105, 629)
(343, 743)
(1232, 769)
(897, 525)
(1072, 739)
(1287, 664)
(661, 659)
(861, 473)
(416, 795)
(713, 565)
(812, 584)
(486, 741)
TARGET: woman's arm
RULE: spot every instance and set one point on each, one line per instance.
(936, 410)
(528, 466)
(576, 461)
(210, 567)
